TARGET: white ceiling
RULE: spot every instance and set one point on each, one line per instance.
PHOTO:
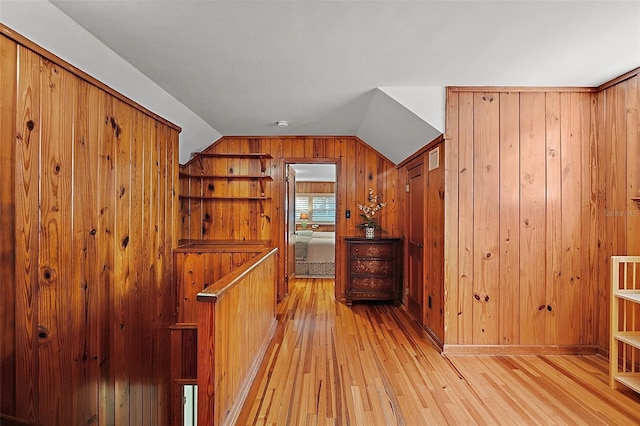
(243, 65)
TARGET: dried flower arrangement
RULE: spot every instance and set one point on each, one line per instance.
(370, 210)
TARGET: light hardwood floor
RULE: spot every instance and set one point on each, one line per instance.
(370, 365)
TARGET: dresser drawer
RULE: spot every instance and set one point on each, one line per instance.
(372, 250)
(373, 266)
(373, 284)
(374, 269)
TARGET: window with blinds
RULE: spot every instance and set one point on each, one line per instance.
(320, 207)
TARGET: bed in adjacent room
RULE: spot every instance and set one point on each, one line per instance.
(315, 254)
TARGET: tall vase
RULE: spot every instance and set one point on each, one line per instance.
(370, 232)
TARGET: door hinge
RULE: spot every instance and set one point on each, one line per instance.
(407, 188)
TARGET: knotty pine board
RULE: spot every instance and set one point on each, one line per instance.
(8, 105)
(95, 204)
(486, 208)
(509, 215)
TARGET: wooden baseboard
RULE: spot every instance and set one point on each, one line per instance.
(234, 411)
(603, 352)
(434, 338)
(7, 420)
(518, 350)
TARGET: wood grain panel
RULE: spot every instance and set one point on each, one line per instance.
(191, 282)
(8, 83)
(614, 218)
(26, 169)
(509, 283)
(570, 289)
(95, 199)
(56, 327)
(197, 269)
(555, 196)
(84, 303)
(633, 165)
(532, 217)
(138, 300)
(315, 187)
(124, 294)
(105, 238)
(451, 212)
(486, 209)
(599, 262)
(465, 279)
(591, 204)
(617, 191)
(144, 130)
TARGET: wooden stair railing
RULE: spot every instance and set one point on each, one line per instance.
(224, 321)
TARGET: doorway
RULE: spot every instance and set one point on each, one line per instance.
(416, 182)
(425, 232)
(310, 218)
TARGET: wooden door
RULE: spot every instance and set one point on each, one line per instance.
(434, 242)
(415, 177)
(290, 226)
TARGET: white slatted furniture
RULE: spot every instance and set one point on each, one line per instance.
(624, 353)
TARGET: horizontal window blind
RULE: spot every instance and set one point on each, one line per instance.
(320, 207)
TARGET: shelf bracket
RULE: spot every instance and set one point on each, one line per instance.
(201, 164)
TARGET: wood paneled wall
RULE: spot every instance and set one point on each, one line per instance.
(8, 82)
(93, 221)
(197, 267)
(520, 212)
(315, 187)
(359, 167)
(617, 181)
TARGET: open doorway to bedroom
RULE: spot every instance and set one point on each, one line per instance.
(312, 207)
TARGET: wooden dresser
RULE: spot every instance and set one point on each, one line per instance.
(374, 269)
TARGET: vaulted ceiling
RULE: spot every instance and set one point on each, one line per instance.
(374, 69)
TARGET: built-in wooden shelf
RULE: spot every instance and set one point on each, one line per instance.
(262, 177)
(237, 177)
(262, 156)
(184, 326)
(636, 200)
(221, 197)
(232, 155)
(222, 246)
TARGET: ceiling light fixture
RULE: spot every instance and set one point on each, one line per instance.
(283, 123)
